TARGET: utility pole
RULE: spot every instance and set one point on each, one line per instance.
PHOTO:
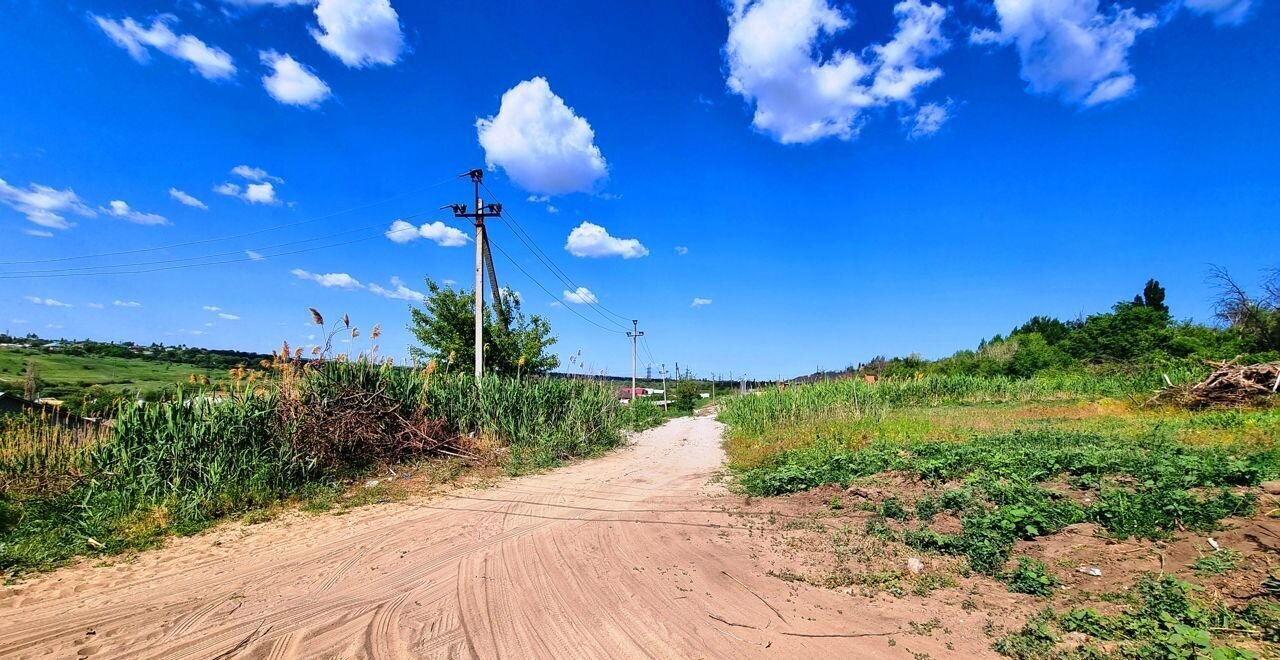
(634, 335)
(477, 218)
(665, 398)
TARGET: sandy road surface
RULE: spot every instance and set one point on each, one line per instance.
(630, 555)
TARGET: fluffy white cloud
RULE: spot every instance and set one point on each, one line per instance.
(212, 308)
(682, 250)
(398, 291)
(927, 120)
(43, 205)
(119, 209)
(592, 240)
(1224, 12)
(700, 302)
(47, 302)
(775, 61)
(130, 304)
(186, 199)
(437, 232)
(209, 61)
(328, 280)
(1070, 48)
(359, 32)
(253, 256)
(582, 296)
(40, 233)
(540, 143)
(292, 83)
(254, 193)
(254, 174)
(228, 317)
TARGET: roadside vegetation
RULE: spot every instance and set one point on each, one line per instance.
(980, 472)
(291, 429)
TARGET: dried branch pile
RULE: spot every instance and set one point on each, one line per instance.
(1229, 386)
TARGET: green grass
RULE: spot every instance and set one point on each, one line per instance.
(71, 376)
(176, 467)
(1020, 460)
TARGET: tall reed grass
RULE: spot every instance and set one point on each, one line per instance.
(182, 463)
(755, 415)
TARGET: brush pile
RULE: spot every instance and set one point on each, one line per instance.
(1230, 385)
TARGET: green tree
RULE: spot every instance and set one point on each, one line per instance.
(444, 328)
(1153, 296)
(686, 398)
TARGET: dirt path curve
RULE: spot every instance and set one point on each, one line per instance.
(630, 555)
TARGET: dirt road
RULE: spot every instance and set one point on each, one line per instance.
(636, 554)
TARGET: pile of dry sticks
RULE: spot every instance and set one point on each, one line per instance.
(1230, 385)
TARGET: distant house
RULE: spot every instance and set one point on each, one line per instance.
(626, 393)
(49, 408)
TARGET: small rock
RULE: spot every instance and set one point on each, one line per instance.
(1214, 544)
(371, 483)
(1271, 487)
(858, 491)
(915, 565)
(1090, 570)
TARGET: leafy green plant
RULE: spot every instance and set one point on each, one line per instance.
(1030, 576)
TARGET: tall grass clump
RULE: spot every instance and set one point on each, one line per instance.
(757, 415)
(180, 464)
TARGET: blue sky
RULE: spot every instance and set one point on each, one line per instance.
(828, 182)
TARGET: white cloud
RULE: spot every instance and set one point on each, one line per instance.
(131, 304)
(228, 317)
(449, 282)
(184, 198)
(95, 306)
(1224, 12)
(53, 326)
(254, 174)
(438, 232)
(544, 200)
(582, 296)
(254, 193)
(700, 302)
(47, 302)
(212, 308)
(38, 232)
(119, 209)
(591, 240)
(254, 256)
(927, 119)
(775, 60)
(399, 291)
(43, 205)
(555, 304)
(1069, 48)
(359, 32)
(292, 83)
(682, 250)
(540, 143)
(328, 280)
(209, 61)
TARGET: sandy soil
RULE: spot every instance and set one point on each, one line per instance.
(636, 554)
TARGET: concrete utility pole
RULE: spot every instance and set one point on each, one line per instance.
(665, 398)
(634, 335)
(477, 218)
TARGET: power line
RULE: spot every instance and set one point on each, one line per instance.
(184, 266)
(73, 269)
(230, 236)
(532, 245)
(553, 296)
